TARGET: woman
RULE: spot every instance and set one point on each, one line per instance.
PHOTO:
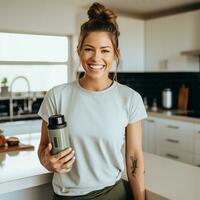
(101, 114)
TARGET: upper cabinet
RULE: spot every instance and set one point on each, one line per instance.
(166, 39)
(131, 43)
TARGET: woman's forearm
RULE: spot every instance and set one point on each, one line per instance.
(135, 173)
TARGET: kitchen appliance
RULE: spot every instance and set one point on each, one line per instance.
(58, 133)
(167, 98)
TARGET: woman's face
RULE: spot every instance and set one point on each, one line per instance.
(97, 55)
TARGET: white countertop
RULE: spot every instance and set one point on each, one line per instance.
(168, 178)
(172, 179)
(22, 169)
(170, 115)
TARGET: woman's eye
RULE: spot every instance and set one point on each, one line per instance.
(87, 49)
(105, 51)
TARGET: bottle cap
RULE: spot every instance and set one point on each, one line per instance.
(56, 122)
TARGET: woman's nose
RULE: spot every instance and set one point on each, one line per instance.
(96, 56)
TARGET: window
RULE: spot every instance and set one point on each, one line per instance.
(42, 59)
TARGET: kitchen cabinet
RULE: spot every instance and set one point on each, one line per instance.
(197, 145)
(197, 139)
(197, 160)
(40, 192)
(175, 140)
(167, 37)
(149, 135)
(131, 44)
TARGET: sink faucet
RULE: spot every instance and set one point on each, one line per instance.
(11, 94)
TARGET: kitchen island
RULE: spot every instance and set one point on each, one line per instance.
(22, 176)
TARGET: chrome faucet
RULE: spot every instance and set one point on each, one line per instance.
(11, 94)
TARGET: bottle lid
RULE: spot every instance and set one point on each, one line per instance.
(56, 122)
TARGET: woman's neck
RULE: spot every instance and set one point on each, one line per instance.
(95, 85)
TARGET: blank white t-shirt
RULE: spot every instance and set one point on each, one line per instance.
(96, 123)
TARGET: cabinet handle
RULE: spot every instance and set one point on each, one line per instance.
(198, 165)
(199, 132)
(171, 140)
(172, 156)
(150, 120)
(173, 127)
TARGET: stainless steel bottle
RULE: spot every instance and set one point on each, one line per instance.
(167, 98)
(58, 134)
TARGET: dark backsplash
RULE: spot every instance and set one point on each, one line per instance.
(151, 84)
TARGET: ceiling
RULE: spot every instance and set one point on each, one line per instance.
(144, 8)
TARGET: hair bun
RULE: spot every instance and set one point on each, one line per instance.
(99, 12)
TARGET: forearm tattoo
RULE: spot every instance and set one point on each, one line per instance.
(134, 166)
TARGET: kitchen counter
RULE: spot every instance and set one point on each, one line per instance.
(164, 178)
(22, 169)
(172, 115)
(19, 117)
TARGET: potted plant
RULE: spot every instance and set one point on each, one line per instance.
(4, 87)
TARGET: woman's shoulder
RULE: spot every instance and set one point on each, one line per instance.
(58, 89)
(126, 90)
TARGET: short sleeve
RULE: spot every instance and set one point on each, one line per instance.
(137, 110)
(48, 106)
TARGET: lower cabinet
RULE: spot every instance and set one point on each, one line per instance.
(197, 160)
(197, 145)
(177, 154)
(177, 140)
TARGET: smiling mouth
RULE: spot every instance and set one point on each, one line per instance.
(96, 67)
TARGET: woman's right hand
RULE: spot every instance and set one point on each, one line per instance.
(60, 162)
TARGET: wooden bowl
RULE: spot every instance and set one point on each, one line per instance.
(12, 141)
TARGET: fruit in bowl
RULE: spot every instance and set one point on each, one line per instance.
(2, 140)
(12, 141)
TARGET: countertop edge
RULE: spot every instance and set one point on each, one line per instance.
(173, 117)
(24, 183)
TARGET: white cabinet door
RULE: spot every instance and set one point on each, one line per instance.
(177, 154)
(197, 139)
(149, 135)
(175, 140)
(175, 134)
(166, 37)
(197, 160)
(131, 44)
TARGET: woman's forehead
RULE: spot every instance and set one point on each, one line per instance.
(98, 39)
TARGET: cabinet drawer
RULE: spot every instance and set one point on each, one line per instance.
(178, 155)
(197, 160)
(182, 142)
(197, 139)
(176, 134)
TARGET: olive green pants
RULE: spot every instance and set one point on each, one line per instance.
(120, 191)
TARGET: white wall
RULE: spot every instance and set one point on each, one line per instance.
(166, 37)
(37, 16)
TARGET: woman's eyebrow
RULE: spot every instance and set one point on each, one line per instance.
(103, 47)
